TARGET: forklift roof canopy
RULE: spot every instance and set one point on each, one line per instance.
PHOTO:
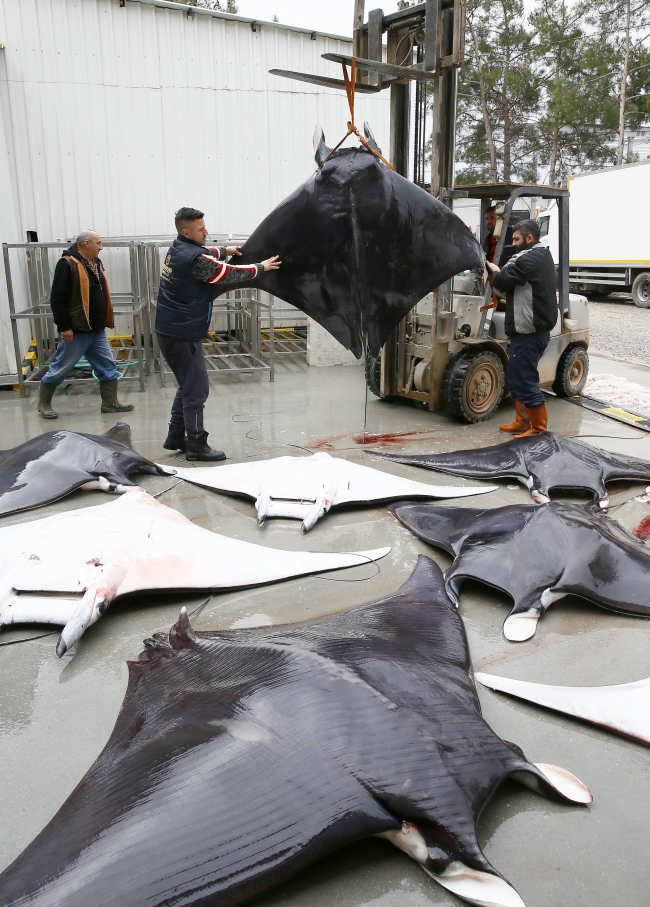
(505, 190)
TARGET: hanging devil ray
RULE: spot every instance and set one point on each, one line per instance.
(305, 488)
(542, 462)
(240, 757)
(623, 708)
(360, 246)
(537, 555)
(56, 463)
(68, 568)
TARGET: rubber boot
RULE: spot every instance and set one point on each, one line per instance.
(538, 416)
(44, 405)
(198, 449)
(175, 439)
(521, 423)
(110, 403)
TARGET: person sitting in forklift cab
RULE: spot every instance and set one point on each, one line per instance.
(490, 241)
(528, 281)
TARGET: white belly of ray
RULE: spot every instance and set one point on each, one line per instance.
(481, 888)
(624, 708)
(66, 569)
(305, 488)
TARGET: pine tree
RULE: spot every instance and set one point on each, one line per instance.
(499, 94)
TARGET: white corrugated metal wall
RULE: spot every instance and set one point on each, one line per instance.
(113, 117)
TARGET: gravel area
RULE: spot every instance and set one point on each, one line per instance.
(618, 327)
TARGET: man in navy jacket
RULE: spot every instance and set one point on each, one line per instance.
(528, 281)
(188, 280)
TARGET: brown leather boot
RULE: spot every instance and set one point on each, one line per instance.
(521, 423)
(538, 416)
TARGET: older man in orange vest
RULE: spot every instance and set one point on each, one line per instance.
(82, 310)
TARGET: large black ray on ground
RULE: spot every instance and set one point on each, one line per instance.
(240, 757)
(54, 464)
(537, 555)
(543, 462)
(360, 246)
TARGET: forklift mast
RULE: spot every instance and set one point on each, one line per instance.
(450, 351)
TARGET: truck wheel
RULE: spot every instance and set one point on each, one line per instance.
(641, 290)
(472, 385)
(572, 371)
(373, 373)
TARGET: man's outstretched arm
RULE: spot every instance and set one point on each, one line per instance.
(208, 268)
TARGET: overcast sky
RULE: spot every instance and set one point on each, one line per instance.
(333, 16)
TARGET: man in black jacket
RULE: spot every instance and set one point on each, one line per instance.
(528, 281)
(82, 310)
(188, 281)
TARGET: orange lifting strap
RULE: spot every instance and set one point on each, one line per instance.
(350, 82)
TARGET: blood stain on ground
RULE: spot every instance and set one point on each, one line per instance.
(642, 531)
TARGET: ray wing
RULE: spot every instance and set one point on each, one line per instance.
(360, 246)
(238, 758)
(54, 464)
(623, 708)
(68, 568)
(497, 462)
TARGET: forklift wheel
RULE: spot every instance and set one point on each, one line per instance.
(373, 373)
(472, 385)
(572, 371)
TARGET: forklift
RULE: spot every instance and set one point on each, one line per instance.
(451, 351)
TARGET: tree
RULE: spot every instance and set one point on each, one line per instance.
(224, 6)
(622, 29)
(578, 112)
(498, 94)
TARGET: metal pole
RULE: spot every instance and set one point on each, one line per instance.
(563, 245)
(12, 317)
(272, 338)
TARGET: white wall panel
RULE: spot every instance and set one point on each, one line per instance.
(114, 117)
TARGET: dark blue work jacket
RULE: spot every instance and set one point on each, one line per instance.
(184, 305)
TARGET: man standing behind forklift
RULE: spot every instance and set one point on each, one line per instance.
(528, 281)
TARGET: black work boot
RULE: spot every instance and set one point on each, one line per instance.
(44, 405)
(175, 439)
(198, 449)
(110, 403)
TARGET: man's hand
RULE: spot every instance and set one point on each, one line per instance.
(494, 268)
(67, 336)
(272, 264)
(233, 250)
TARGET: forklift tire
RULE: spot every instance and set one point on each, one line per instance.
(641, 290)
(373, 373)
(572, 371)
(472, 385)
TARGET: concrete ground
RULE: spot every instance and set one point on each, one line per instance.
(618, 327)
(55, 716)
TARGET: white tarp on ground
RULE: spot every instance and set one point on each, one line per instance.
(619, 392)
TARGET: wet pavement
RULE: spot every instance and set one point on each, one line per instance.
(56, 715)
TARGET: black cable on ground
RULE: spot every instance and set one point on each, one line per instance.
(14, 642)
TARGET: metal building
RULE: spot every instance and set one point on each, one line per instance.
(112, 116)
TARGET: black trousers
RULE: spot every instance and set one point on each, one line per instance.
(186, 360)
(522, 375)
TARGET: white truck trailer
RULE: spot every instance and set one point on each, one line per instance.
(609, 231)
